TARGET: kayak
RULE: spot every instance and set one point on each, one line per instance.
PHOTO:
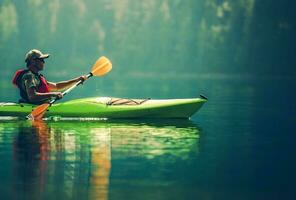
(114, 108)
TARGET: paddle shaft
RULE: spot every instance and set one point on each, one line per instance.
(71, 88)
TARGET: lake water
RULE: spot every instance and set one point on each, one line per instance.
(240, 145)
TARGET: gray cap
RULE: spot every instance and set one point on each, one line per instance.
(35, 54)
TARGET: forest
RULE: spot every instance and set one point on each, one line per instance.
(152, 36)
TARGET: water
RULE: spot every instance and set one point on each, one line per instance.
(240, 145)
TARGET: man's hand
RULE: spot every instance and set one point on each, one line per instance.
(57, 95)
(81, 78)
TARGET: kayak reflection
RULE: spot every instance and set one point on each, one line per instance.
(135, 138)
(68, 159)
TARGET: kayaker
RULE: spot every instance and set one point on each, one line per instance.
(33, 86)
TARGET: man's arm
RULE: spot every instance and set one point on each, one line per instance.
(35, 96)
(64, 84)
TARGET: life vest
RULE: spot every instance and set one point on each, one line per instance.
(42, 87)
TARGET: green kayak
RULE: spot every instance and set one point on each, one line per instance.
(108, 107)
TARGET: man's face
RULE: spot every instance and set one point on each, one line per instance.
(38, 63)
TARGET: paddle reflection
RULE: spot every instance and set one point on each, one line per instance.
(30, 152)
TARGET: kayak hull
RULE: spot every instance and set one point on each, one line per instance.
(100, 108)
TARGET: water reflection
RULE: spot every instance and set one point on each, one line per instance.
(30, 152)
(70, 160)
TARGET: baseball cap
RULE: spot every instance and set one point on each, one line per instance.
(35, 54)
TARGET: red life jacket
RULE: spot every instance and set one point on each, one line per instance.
(42, 87)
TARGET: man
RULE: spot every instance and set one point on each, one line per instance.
(34, 88)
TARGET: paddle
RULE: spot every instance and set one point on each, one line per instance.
(101, 67)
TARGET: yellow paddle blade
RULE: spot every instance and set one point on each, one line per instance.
(39, 111)
(102, 66)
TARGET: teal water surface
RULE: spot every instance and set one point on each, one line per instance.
(238, 146)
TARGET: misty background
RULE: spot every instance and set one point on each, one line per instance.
(154, 45)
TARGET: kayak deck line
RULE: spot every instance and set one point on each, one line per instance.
(100, 107)
(123, 101)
